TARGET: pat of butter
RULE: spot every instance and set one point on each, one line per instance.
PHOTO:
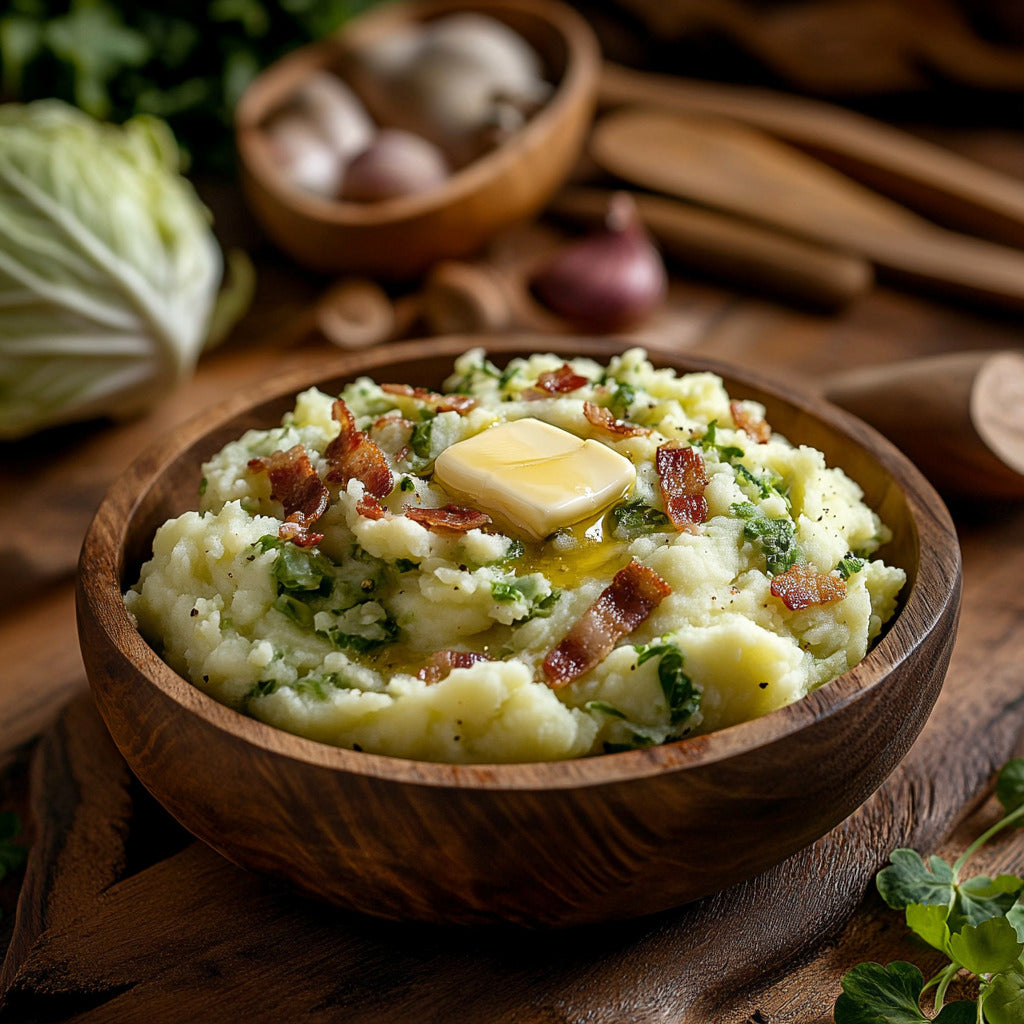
(533, 476)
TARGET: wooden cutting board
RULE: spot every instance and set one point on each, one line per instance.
(125, 918)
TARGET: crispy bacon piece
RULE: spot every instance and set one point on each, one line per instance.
(753, 426)
(556, 382)
(435, 399)
(369, 507)
(634, 592)
(800, 587)
(449, 518)
(354, 455)
(294, 483)
(602, 418)
(441, 663)
(682, 477)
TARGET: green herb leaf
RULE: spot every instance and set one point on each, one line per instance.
(636, 519)
(909, 880)
(777, 537)
(1010, 785)
(421, 436)
(873, 994)
(849, 565)
(709, 442)
(1002, 999)
(980, 898)
(623, 396)
(682, 696)
(987, 948)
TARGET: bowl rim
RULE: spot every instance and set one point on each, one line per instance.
(270, 86)
(937, 582)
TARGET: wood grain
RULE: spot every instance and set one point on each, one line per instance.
(744, 171)
(595, 839)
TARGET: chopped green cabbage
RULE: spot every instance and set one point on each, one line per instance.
(108, 267)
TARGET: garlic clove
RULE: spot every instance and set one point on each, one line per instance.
(306, 159)
(396, 163)
(335, 112)
(610, 280)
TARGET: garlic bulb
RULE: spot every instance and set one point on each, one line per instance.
(338, 116)
(462, 81)
(396, 163)
(307, 160)
(609, 280)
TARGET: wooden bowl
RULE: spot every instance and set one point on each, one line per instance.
(400, 238)
(561, 843)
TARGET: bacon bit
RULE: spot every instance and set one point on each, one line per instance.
(369, 507)
(354, 455)
(634, 592)
(294, 483)
(800, 587)
(602, 418)
(682, 477)
(449, 519)
(436, 400)
(556, 382)
(441, 664)
(753, 426)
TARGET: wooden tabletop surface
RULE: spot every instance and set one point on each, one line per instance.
(122, 917)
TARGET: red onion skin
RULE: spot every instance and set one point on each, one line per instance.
(609, 281)
(396, 163)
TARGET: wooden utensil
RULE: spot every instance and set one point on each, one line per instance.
(733, 250)
(943, 185)
(959, 416)
(732, 167)
(559, 843)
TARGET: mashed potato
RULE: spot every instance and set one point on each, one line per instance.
(383, 633)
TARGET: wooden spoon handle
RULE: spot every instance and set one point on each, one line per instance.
(741, 170)
(959, 416)
(733, 250)
(943, 185)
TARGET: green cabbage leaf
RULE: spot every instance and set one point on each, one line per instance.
(109, 270)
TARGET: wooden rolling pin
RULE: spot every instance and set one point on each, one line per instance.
(943, 185)
(733, 250)
(742, 171)
(959, 416)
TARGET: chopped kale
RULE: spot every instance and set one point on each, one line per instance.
(525, 588)
(709, 442)
(623, 397)
(682, 696)
(422, 435)
(768, 484)
(638, 519)
(849, 565)
(776, 536)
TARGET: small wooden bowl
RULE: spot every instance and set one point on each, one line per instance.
(400, 238)
(556, 844)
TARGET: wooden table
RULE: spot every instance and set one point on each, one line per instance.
(123, 917)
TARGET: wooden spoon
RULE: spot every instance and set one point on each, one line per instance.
(941, 184)
(959, 416)
(733, 250)
(728, 166)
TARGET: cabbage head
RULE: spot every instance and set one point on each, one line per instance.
(108, 267)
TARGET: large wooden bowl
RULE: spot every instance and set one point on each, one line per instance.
(399, 238)
(558, 843)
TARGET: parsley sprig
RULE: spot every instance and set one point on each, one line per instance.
(976, 922)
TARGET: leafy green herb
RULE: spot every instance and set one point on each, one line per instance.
(508, 375)
(849, 566)
(363, 636)
(768, 484)
(187, 62)
(407, 484)
(406, 564)
(623, 396)
(776, 536)
(421, 435)
(638, 519)
(526, 588)
(639, 736)
(978, 923)
(710, 442)
(682, 696)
